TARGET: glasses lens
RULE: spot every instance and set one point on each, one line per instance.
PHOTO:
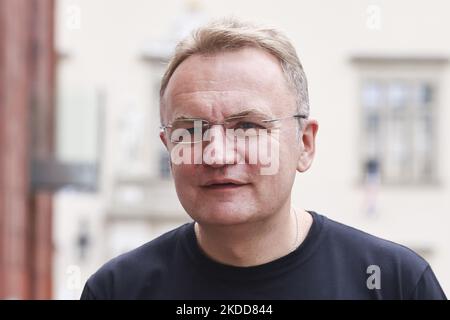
(248, 122)
(187, 130)
(248, 126)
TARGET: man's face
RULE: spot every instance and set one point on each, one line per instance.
(217, 87)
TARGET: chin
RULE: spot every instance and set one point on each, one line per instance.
(222, 215)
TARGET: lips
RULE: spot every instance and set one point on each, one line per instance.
(224, 184)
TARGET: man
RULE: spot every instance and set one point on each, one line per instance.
(232, 94)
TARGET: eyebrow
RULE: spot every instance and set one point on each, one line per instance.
(250, 112)
(247, 112)
(184, 117)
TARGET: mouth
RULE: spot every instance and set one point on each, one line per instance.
(224, 185)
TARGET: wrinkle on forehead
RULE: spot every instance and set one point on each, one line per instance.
(243, 112)
(217, 105)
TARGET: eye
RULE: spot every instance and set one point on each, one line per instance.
(180, 135)
(179, 139)
(248, 125)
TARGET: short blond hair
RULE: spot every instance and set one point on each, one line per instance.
(231, 34)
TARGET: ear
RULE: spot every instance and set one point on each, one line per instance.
(162, 136)
(308, 139)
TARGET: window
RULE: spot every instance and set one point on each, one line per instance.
(398, 130)
(398, 104)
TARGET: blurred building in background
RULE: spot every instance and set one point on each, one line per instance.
(27, 79)
(378, 79)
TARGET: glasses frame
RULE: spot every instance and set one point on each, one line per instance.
(209, 124)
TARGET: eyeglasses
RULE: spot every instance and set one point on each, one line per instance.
(192, 130)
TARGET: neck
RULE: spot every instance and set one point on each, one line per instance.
(255, 243)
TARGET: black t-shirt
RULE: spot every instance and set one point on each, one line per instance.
(333, 262)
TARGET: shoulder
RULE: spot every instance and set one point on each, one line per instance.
(370, 247)
(131, 269)
(362, 253)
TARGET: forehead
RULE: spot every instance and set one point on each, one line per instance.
(227, 83)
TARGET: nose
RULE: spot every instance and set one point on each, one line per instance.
(220, 150)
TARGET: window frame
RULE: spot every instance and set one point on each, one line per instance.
(413, 71)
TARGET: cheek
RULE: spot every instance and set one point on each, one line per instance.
(260, 152)
(287, 165)
(184, 175)
(184, 169)
(290, 149)
(276, 184)
(184, 178)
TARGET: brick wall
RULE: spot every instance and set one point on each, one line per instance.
(26, 131)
